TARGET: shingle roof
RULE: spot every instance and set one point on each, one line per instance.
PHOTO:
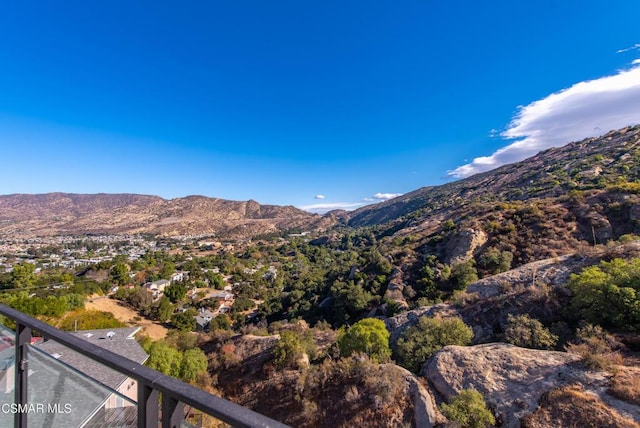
(121, 342)
(68, 398)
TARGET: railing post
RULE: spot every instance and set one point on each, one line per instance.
(172, 412)
(147, 406)
(23, 338)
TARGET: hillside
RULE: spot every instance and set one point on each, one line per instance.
(594, 163)
(71, 214)
(549, 205)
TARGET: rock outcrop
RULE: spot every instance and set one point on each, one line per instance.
(512, 379)
(395, 289)
(463, 244)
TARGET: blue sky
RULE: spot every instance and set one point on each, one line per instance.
(317, 104)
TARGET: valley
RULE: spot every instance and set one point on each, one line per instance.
(509, 298)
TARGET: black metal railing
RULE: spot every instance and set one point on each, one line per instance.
(152, 410)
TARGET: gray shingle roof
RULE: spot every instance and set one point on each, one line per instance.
(67, 398)
(121, 342)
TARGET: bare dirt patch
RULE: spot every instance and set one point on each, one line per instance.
(153, 329)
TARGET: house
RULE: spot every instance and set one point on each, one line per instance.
(179, 276)
(203, 319)
(157, 287)
(94, 394)
(222, 296)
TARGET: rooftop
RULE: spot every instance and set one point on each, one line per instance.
(117, 340)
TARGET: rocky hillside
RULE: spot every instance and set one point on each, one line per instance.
(71, 214)
(592, 164)
(329, 392)
(517, 383)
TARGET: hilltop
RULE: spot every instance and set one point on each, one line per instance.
(74, 214)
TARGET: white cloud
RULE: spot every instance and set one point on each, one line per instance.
(386, 196)
(324, 207)
(635, 61)
(319, 197)
(586, 109)
(634, 47)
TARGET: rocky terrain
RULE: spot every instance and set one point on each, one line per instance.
(589, 164)
(513, 380)
(485, 249)
(74, 214)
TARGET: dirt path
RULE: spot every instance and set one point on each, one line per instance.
(125, 314)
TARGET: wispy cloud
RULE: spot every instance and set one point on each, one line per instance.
(632, 48)
(319, 197)
(324, 207)
(586, 109)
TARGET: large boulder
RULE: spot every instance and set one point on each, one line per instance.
(512, 379)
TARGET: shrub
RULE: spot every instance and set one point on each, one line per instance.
(369, 336)
(608, 294)
(291, 348)
(463, 274)
(595, 347)
(84, 319)
(468, 409)
(420, 342)
(495, 261)
(528, 333)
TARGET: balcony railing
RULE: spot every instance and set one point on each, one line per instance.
(36, 390)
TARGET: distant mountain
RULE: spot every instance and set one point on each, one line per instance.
(70, 214)
(590, 164)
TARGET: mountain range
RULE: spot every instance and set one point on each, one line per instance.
(75, 214)
(591, 185)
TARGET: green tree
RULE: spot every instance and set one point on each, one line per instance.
(185, 321)
(215, 280)
(528, 332)
(221, 322)
(495, 261)
(141, 299)
(242, 304)
(168, 268)
(292, 347)
(468, 409)
(23, 275)
(120, 273)
(175, 291)
(369, 336)
(193, 364)
(84, 319)
(608, 294)
(164, 358)
(418, 343)
(164, 309)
